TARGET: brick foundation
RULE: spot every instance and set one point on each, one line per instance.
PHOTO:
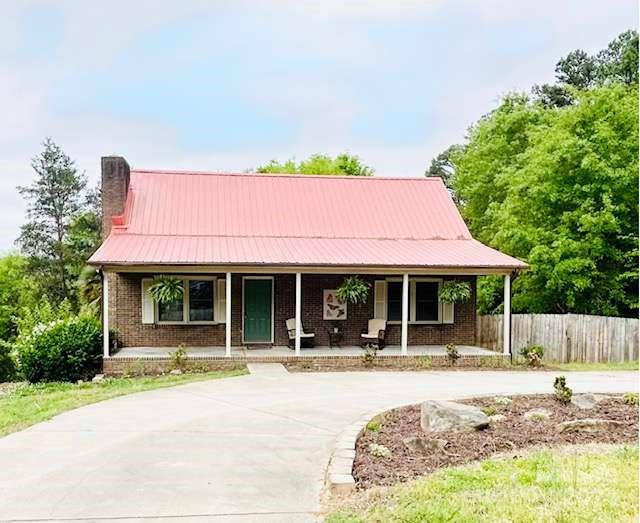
(150, 365)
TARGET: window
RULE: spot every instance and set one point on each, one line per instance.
(200, 300)
(195, 306)
(426, 301)
(172, 311)
(394, 301)
(424, 304)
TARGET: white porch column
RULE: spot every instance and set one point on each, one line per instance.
(227, 317)
(506, 316)
(105, 315)
(405, 314)
(298, 311)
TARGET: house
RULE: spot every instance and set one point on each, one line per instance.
(255, 250)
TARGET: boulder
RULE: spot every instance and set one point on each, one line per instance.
(537, 414)
(423, 445)
(584, 401)
(588, 401)
(496, 417)
(589, 425)
(441, 416)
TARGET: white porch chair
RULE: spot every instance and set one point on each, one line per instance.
(375, 333)
(305, 337)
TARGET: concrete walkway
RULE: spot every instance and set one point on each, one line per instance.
(251, 448)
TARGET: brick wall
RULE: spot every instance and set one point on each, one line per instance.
(125, 316)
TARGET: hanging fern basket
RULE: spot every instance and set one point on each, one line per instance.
(166, 289)
(353, 290)
(454, 291)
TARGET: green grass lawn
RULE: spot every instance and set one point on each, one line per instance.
(560, 486)
(23, 404)
(626, 365)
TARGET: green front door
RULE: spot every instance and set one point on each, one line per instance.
(257, 310)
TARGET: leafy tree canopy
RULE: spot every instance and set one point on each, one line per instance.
(18, 290)
(559, 190)
(344, 165)
(553, 180)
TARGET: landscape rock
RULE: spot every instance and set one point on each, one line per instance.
(98, 377)
(441, 416)
(496, 417)
(588, 401)
(537, 414)
(176, 372)
(588, 425)
(424, 445)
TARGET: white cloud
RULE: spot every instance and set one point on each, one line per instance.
(95, 35)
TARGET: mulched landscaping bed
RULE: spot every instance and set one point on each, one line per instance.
(507, 435)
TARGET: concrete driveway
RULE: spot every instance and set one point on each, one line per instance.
(251, 448)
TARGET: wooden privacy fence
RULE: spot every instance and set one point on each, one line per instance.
(565, 337)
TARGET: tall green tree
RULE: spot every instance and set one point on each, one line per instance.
(55, 200)
(442, 166)
(617, 63)
(559, 190)
(344, 165)
(18, 291)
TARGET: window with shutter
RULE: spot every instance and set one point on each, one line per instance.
(380, 299)
(221, 311)
(148, 307)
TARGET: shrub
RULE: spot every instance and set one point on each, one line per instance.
(424, 362)
(533, 355)
(630, 398)
(452, 353)
(179, 357)
(374, 425)
(8, 368)
(563, 393)
(379, 451)
(369, 356)
(63, 350)
(489, 410)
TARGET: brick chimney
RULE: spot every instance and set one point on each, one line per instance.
(115, 184)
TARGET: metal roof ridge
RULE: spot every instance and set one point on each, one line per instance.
(288, 237)
(285, 175)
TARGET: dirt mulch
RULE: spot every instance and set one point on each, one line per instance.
(508, 435)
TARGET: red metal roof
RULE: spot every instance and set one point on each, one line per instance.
(239, 219)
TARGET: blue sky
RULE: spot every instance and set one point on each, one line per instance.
(212, 85)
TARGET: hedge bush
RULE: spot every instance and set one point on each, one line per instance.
(62, 350)
(8, 369)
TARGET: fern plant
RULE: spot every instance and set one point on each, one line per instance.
(166, 289)
(454, 291)
(353, 290)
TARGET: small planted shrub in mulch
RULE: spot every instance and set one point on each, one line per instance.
(510, 433)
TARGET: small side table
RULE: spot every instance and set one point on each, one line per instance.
(335, 338)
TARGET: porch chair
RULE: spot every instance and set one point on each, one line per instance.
(306, 337)
(375, 333)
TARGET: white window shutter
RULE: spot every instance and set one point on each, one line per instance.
(148, 306)
(447, 312)
(380, 299)
(221, 300)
